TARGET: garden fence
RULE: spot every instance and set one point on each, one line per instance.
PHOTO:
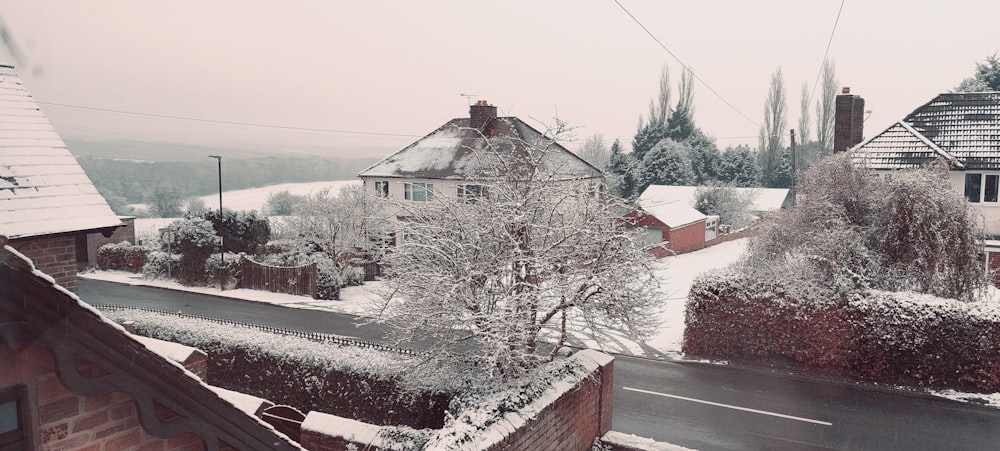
(297, 280)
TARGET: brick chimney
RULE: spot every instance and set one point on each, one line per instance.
(481, 113)
(848, 120)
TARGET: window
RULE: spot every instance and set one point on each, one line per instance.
(418, 192)
(471, 193)
(982, 188)
(382, 189)
(973, 184)
(13, 430)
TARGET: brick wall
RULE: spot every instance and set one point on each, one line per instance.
(568, 420)
(62, 420)
(55, 256)
(687, 238)
(993, 260)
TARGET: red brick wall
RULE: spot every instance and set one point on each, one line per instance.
(570, 422)
(55, 256)
(687, 238)
(62, 420)
(994, 267)
(96, 240)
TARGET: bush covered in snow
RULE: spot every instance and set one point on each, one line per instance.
(347, 381)
(853, 230)
(156, 265)
(894, 337)
(123, 256)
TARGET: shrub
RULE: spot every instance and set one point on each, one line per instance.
(241, 231)
(195, 240)
(328, 281)
(123, 256)
(156, 265)
(353, 276)
(230, 271)
(892, 337)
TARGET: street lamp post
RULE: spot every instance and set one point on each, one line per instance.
(222, 222)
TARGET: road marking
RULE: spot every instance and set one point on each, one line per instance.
(745, 409)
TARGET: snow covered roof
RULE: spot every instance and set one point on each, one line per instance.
(673, 213)
(452, 152)
(961, 128)
(43, 190)
(37, 310)
(761, 199)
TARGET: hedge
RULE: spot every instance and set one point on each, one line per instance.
(123, 256)
(891, 337)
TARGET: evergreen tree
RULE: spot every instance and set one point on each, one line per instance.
(621, 172)
(986, 78)
(738, 166)
(648, 135)
(704, 155)
(680, 124)
(667, 163)
(781, 177)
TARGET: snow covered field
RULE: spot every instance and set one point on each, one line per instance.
(254, 198)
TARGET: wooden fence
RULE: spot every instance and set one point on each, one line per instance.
(298, 280)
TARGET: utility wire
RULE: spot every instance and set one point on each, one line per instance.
(826, 53)
(215, 121)
(685, 66)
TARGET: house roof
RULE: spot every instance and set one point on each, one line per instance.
(43, 190)
(674, 213)
(452, 152)
(35, 309)
(761, 199)
(960, 128)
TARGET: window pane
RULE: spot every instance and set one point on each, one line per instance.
(990, 194)
(8, 417)
(973, 185)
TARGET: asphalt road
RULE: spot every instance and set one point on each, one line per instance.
(696, 405)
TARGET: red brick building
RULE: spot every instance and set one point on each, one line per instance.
(70, 379)
(48, 205)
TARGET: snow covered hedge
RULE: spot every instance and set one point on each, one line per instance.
(123, 256)
(346, 381)
(893, 337)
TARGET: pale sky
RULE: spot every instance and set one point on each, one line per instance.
(400, 67)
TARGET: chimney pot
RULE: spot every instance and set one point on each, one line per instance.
(845, 90)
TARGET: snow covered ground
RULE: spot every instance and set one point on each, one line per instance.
(254, 198)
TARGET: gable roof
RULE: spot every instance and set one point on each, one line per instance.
(761, 199)
(960, 128)
(451, 152)
(34, 308)
(43, 190)
(673, 213)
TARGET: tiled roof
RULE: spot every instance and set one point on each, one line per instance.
(43, 190)
(450, 152)
(962, 128)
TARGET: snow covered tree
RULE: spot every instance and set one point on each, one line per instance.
(772, 132)
(804, 130)
(495, 284)
(704, 155)
(667, 163)
(622, 179)
(680, 124)
(651, 131)
(986, 78)
(738, 166)
(854, 230)
(725, 202)
(595, 151)
(339, 225)
(825, 108)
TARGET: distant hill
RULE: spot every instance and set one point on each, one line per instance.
(166, 151)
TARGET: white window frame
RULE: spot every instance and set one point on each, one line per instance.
(471, 193)
(983, 179)
(382, 188)
(418, 191)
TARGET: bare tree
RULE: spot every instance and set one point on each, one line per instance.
(824, 108)
(804, 130)
(478, 280)
(595, 151)
(340, 225)
(772, 132)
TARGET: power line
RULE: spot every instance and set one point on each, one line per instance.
(685, 66)
(216, 121)
(826, 53)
